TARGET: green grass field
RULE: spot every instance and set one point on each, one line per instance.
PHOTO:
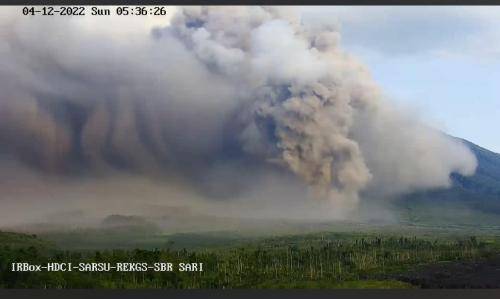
(231, 260)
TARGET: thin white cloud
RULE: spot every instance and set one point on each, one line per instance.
(394, 31)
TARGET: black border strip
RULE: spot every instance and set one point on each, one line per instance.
(253, 294)
(247, 2)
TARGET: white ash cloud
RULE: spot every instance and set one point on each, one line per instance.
(233, 88)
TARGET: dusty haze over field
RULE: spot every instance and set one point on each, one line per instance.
(233, 111)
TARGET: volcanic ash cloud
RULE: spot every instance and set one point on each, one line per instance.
(218, 85)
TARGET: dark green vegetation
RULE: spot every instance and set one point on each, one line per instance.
(319, 260)
(17, 241)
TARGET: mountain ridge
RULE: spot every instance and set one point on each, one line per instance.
(471, 199)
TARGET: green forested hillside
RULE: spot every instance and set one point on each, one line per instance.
(472, 200)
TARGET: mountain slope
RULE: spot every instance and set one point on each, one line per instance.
(487, 177)
(470, 200)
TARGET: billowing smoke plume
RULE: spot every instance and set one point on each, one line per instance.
(218, 93)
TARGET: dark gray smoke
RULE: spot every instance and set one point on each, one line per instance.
(218, 99)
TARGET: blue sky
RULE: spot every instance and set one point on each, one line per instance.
(444, 61)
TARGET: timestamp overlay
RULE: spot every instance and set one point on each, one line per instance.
(94, 11)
